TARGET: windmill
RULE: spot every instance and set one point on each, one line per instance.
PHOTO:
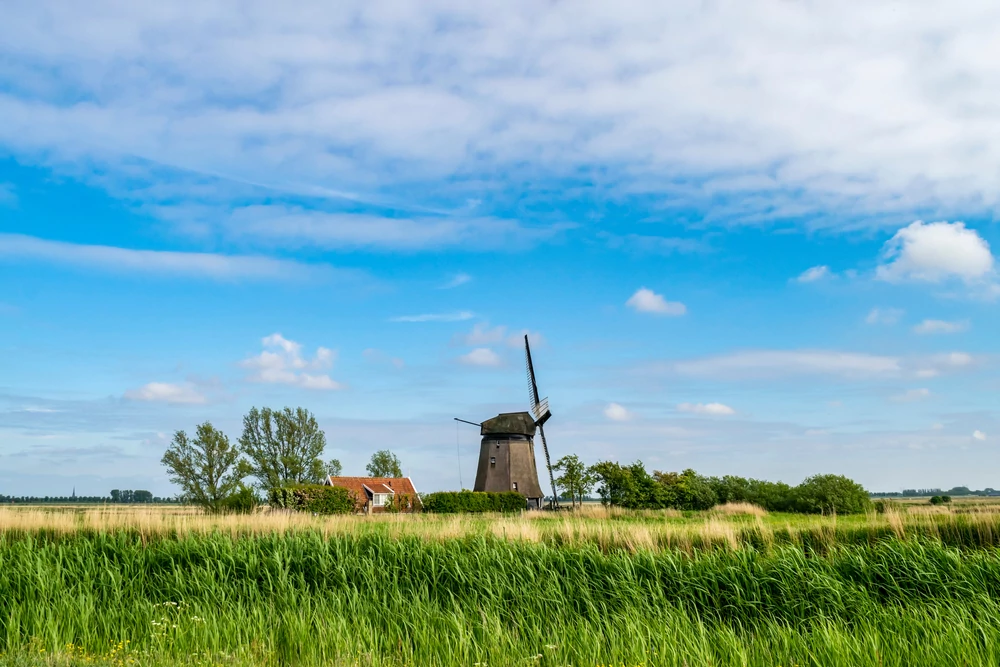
(507, 450)
(540, 409)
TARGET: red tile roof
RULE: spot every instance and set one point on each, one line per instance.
(374, 484)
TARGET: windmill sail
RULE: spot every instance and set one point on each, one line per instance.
(540, 410)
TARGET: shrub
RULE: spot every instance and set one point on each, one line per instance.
(242, 501)
(455, 502)
(831, 494)
(886, 506)
(403, 502)
(315, 498)
(940, 500)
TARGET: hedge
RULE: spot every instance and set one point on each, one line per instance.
(315, 498)
(454, 502)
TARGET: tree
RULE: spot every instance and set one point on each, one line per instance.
(139, 496)
(116, 496)
(576, 478)
(333, 468)
(384, 464)
(831, 494)
(283, 447)
(208, 468)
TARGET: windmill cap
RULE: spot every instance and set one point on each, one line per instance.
(510, 423)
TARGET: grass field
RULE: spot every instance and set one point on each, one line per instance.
(919, 586)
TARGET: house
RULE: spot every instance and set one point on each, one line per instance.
(374, 493)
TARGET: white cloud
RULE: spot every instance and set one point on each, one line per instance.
(282, 362)
(936, 251)
(912, 396)
(819, 107)
(791, 362)
(436, 317)
(482, 334)
(979, 435)
(814, 274)
(616, 412)
(648, 301)
(481, 356)
(886, 316)
(456, 281)
(163, 392)
(714, 409)
(109, 258)
(941, 327)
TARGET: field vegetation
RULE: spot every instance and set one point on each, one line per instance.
(734, 585)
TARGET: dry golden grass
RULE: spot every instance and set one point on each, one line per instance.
(740, 509)
(727, 527)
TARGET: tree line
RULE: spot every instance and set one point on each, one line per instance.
(922, 493)
(277, 448)
(116, 496)
(633, 487)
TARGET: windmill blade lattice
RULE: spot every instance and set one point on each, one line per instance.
(540, 410)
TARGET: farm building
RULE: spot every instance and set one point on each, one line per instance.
(374, 493)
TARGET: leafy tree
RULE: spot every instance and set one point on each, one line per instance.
(139, 496)
(333, 468)
(688, 490)
(116, 496)
(283, 447)
(831, 494)
(208, 468)
(384, 464)
(576, 478)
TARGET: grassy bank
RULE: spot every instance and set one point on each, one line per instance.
(368, 597)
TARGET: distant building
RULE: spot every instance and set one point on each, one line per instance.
(374, 493)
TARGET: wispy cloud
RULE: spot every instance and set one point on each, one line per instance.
(165, 392)
(912, 395)
(712, 409)
(459, 316)
(941, 327)
(481, 356)
(814, 274)
(886, 316)
(458, 280)
(17, 247)
(760, 363)
(282, 362)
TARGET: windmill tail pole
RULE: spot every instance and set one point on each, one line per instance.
(548, 464)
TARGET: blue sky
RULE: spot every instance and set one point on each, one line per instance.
(750, 239)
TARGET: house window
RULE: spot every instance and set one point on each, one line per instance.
(380, 499)
(493, 461)
(515, 486)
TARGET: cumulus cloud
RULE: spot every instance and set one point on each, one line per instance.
(886, 316)
(941, 327)
(481, 356)
(483, 334)
(814, 274)
(934, 252)
(979, 435)
(616, 412)
(648, 301)
(459, 316)
(713, 409)
(282, 362)
(164, 392)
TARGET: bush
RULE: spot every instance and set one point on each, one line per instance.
(242, 501)
(315, 498)
(475, 502)
(886, 505)
(940, 500)
(831, 494)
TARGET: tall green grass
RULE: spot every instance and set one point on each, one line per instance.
(302, 598)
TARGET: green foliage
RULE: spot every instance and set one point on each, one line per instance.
(283, 447)
(455, 502)
(688, 490)
(208, 468)
(315, 498)
(940, 500)
(772, 496)
(575, 479)
(242, 501)
(130, 496)
(831, 494)
(886, 505)
(333, 468)
(384, 464)
(403, 502)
